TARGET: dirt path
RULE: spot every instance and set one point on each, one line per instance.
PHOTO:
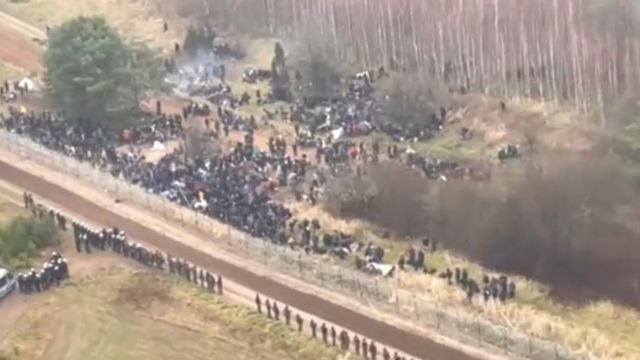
(12, 307)
(17, 46)
(18, 49)
(21, 27)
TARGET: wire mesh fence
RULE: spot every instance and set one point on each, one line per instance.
(382, 294)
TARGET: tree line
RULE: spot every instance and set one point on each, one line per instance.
(584, 52)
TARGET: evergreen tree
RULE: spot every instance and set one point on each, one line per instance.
(90, 72)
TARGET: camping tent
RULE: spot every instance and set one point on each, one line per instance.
(28, 84)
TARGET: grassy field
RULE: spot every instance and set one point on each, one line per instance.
(11, 72)
(605, 329)
(119, 313)
(9, 209)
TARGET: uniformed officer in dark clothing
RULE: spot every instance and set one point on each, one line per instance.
(386, 355)
(299, 321)
(464, 278)
(259, 303)
(276, 311)
(287, 315)
(356, 344)
(365, 349)
(313, 325)
(202, 281)
(36, 281)
(373, 350)
(219, 284)
(344, 340)
(76, 237)
(267, 305)
(325, 333)
(25, 198)
(334, 335)
(87, 246)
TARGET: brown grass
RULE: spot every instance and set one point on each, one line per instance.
(133, 18)
(100, 318)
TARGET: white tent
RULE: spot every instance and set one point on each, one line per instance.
(158, 146)
(337, 134)
(28, 84)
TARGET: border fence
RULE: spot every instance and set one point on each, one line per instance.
(381, 294)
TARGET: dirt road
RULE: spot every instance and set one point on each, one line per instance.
(18, 49)
(17, 46)
(384, 333)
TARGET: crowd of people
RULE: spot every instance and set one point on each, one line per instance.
(115, 240)
(493, 287)
(237, 186)
(88, 239)
(52, 273)
(56, 268)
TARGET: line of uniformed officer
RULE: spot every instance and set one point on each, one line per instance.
(52, 272)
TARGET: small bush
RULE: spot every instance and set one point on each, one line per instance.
(389, 195)
(410, 100)
(349, 196)
(22, 238)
